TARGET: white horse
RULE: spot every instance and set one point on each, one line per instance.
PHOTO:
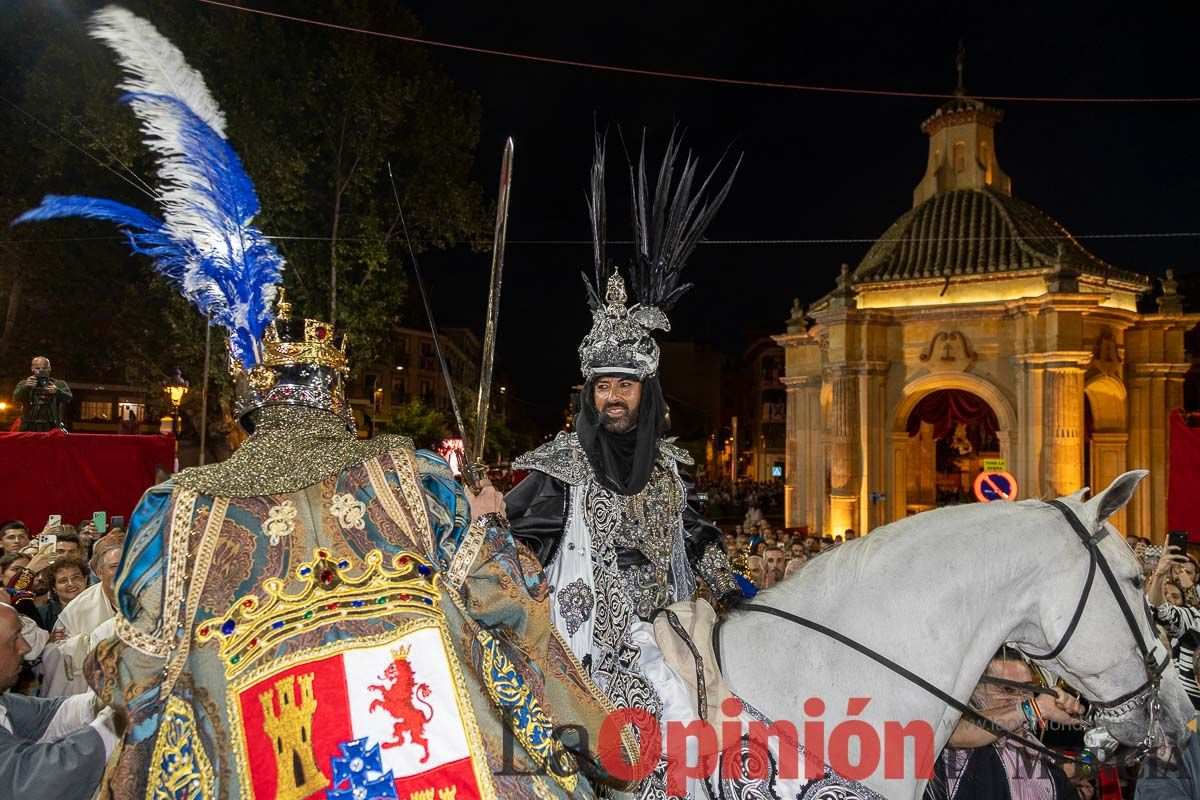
(939, 594)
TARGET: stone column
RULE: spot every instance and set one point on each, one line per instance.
(1063, 443)
(877, 455)
(1025, 460)
(1138, 512)
(805, 469)
(1108, 461)
(902, 472)
(845, 447)
(795, 445)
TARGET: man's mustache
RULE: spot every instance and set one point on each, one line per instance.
(618, 404)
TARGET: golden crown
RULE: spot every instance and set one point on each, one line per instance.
(401, 653)
(317, 347)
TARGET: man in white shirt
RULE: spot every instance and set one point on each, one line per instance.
(49, 748)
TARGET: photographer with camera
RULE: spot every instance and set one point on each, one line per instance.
(43, 399)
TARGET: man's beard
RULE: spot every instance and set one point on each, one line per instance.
(622, 424)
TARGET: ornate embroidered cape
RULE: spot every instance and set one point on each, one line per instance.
(611, 559)
(353, 639)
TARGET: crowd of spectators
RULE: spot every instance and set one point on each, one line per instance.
(57, 604)
(764, 554)
(726, 499)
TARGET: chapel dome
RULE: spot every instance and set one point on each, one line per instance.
(977, 231)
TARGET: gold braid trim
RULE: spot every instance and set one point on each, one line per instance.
(460, 565)
(158, 643)
(415, 524)
(201, 566)
(406, 468)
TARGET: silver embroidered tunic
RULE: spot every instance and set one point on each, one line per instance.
(613, 559)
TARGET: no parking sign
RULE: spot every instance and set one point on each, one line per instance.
(995, 485)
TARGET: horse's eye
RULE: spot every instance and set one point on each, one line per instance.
(1139, 582)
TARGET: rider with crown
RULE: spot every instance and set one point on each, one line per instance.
(304, 620)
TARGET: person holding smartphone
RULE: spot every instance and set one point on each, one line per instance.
(1182, 622)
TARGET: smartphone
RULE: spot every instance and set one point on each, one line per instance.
(118, 522)
(48, 539)
(55, 521)
(100, 521)
(1178, 539)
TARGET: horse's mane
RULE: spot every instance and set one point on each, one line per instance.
(940, 531)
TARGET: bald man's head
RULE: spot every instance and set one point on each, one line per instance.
(13, 646)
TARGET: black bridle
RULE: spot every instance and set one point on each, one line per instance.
(1147, 692)
(1154, 668)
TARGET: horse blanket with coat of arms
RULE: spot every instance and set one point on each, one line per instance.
(359, 638)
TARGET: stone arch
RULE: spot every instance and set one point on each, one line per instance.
(918, 388)
(1108, 399)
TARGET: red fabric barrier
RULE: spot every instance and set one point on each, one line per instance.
(77, 474)
(1183, 490)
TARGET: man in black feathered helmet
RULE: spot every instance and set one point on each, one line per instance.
(608, 507)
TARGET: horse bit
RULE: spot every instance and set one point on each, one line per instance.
(1147, 693)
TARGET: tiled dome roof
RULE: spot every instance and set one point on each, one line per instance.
(974, 232)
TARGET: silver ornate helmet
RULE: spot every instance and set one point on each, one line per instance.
(621, 341)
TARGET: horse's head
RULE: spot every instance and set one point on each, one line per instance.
(1102, 655)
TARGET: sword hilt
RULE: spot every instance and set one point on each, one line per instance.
(474, 474)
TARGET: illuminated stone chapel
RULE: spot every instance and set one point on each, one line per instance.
(977, 328)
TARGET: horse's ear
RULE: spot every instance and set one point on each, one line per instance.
(1080, 495)
(1114, 498)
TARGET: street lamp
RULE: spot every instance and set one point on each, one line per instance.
(175, 388)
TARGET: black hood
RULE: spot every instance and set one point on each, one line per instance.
(622, 461)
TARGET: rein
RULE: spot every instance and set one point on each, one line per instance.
(972, 716)
(1147, 691)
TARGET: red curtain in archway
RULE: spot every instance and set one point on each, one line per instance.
(946, 408)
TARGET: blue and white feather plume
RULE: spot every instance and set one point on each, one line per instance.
(205, 244)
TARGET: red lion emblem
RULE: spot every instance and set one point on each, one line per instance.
(397, 700)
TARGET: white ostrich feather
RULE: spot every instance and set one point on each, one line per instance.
(153, 64)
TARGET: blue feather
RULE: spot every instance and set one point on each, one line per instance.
(56, 206)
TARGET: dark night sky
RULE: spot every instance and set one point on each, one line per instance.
(815, 166)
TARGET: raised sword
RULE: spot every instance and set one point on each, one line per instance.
(476, 470)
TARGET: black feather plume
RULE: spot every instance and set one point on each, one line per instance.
(599, 220)
(666, 232)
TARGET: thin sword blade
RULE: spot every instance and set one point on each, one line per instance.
(483, 407)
